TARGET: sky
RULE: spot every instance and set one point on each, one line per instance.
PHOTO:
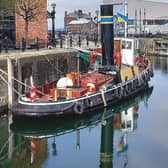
(71, 5)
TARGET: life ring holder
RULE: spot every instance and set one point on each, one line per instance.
(89, 102)
(78, 108)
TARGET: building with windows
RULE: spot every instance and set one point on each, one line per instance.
(13, 26)
(7, 20)
(147, 16)
(78, 22)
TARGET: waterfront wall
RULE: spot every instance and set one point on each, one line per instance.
(154, 46)
(146, 45)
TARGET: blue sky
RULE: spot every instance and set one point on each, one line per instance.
(71, 5)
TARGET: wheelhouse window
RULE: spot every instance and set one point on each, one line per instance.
(126, 45)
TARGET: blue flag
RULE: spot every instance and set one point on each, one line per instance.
(122, 18)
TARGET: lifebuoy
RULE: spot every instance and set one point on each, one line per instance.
(78, 108)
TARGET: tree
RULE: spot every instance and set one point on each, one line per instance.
(29, 10)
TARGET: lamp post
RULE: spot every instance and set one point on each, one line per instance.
(53, 12)
(97, 24)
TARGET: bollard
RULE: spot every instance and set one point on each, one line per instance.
(37, 43)
(60, 42)
(70, 41)
(87, 40)
(6, 44)
(79, 41)
(23, 44)
(95, 40)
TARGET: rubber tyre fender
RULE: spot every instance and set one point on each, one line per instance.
(79, 108)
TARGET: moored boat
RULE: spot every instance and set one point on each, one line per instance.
(103, 84)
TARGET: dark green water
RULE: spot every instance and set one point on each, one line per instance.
(130, 135)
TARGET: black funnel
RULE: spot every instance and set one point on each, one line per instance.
(107, 34)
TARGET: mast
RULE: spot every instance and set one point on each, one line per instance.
(135, 21)
(144, 22)
(140, 20)
(107, 34)
(126, 14)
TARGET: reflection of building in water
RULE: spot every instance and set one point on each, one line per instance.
(33, 146)
(128, 122)
(127, 119)
(33, 151)
(21, 152)
(160, 63)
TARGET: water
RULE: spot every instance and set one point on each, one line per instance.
(98, 140)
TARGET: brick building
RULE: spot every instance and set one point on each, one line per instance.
(37, 28)
(78, 22)
(12, 25)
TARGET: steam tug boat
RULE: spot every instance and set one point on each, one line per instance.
(106, 83)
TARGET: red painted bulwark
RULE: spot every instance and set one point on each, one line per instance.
(37, 28)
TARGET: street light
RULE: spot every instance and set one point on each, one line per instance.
(53, 12)
(97, 25)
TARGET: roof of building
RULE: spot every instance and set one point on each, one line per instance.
(79, 21)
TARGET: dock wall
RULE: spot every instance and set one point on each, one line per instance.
(154, 46)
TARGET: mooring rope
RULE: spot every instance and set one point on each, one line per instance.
(7, 85)
(53, 65)
(5, 145)
(2, 71)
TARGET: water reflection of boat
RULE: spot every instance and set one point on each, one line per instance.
(102, 85)
(35, 132)
(54, 127)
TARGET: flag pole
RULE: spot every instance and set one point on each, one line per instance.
(126, 14)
